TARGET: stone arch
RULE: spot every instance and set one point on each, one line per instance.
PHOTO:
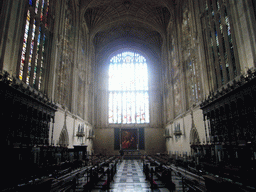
(64, 139)
(194, 136)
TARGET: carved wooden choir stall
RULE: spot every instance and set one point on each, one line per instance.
(229, 118)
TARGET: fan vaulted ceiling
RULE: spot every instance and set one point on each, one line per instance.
(140, 23)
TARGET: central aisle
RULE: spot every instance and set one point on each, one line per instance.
(130, 178)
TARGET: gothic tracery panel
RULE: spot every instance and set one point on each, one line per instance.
(80, 97)
(82, 73)
(176, 77)
(219, 42)
(189, 53)
(36, 32)
(66, 59)
(128, 89)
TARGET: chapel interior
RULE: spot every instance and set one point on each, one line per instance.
(170, 83)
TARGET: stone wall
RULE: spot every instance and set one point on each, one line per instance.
(154, 141)
(66, 120)
(180, 144)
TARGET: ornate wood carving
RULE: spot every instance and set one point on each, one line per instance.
(26, 113)
(229, 116)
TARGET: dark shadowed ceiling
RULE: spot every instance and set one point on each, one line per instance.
(139, 23)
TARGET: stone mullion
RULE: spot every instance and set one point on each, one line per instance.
(212, 46)
(198, 81)
(44, 57)
(58, 53)
(200, 68)
(170, 88)
(63, 59)
(217, 64)
(39, 61)
(60, 74)
(82, 99)
(183, 64)
(193, 80)
(63, 71)
(34, 57)
(35, 46)
(210, 60)
(227, 45)
(221, 43)
(238, 69)
(25, 68)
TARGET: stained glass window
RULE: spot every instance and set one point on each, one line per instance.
(65, 59)
(32, 53)
(128, 89)
(221, 48)
(192, 71)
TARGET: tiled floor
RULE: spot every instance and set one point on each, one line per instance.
(130, 178)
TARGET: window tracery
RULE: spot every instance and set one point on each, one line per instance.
(36, 33)
(189, 50)
(217, 26)
(82, 73)
(128, 89)
(66, 59)
(175, 75)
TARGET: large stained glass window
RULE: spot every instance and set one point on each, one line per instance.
(189, 54)
(66, 59)
(33, 47)
(128, 89)
(219, 42)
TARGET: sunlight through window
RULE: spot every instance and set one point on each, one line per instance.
(128, 89)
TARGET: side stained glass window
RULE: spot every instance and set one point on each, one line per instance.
(193, 79)
(219, 41)
(128, 89)
(32, 61)
(66, 58)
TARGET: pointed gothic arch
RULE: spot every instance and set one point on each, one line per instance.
(128, 89)
(64, 139)
(194, 136)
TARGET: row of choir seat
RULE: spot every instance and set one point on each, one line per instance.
(163, 167)
(99, 172)
(160, 167)
(152, 168)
